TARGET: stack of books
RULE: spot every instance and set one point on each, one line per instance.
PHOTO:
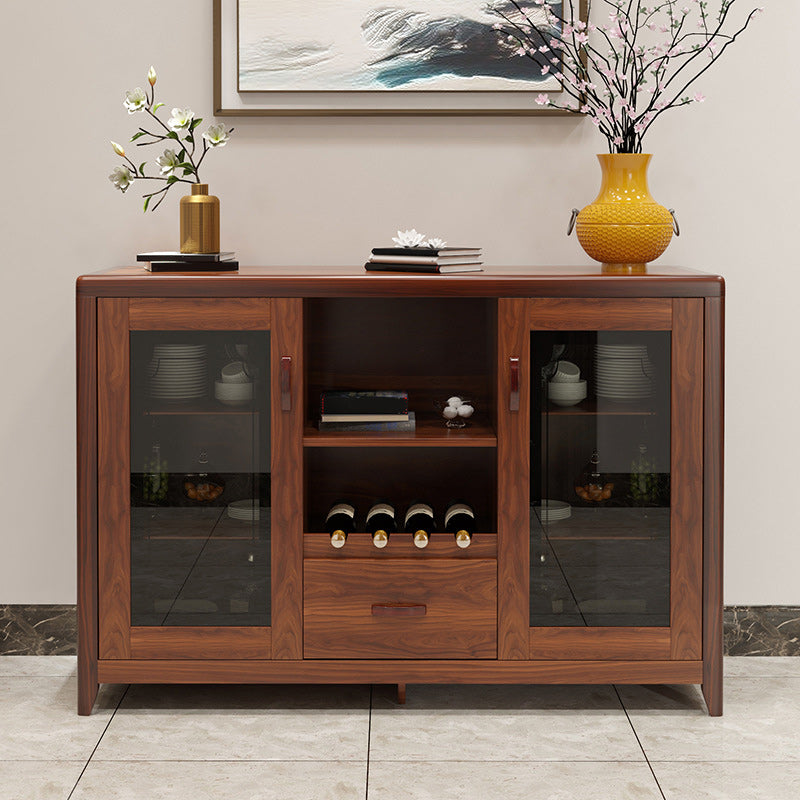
(442, 260)
(173, 261)
(365, 411)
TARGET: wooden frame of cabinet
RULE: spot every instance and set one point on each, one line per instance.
(111, 304)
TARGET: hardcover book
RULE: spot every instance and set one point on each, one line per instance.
(388, 402)
(192, 266)
(425, 251)
(432, 269)
(174, 255)
(407, 425)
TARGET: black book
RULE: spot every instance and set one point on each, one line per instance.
(364, 403)
(429, 269)
(174, 255)
(425, 251)
(192, 266)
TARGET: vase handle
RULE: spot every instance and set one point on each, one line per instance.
(572, 219)
(675, 226)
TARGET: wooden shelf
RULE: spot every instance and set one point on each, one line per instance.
(400, 545)
(589, 407)
(429, 433)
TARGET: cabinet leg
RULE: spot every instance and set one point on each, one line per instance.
(401, 694)
(87, 694)
(712, 692)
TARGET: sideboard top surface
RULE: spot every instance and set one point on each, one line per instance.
(517, 281)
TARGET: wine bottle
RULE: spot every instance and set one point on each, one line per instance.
(459, 519)
(341, 521)
(380, 523)
(420, 523)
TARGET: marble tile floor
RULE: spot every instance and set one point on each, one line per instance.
(446, 743)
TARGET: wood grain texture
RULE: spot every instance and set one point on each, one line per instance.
(113, 436)
(86, 332)
(606, 644)
(686, 519)
(600, 314)
(401, 545)
(406, 671)
(429, 433)
(200, 642)
(713, 461)
(199, 314)
(460, 599)
(287, 483)
(293, 281)
(513, 485)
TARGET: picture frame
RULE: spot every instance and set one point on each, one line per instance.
(234, 96)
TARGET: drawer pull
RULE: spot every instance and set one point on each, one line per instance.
(399, 610)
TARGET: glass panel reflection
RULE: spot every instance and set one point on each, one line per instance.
(600, 482)
(200, 483)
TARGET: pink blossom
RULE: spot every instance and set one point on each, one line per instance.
(542, 99)
(545, 69)
(699, 98)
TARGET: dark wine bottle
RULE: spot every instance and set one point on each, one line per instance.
(341, 521)
(380, 523)
(459, 519)
(419, 522)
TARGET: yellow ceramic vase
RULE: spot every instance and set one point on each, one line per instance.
(199, 221)
(624, 227)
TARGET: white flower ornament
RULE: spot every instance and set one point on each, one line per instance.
(181, 119)
(217, 135)
(435, 243)
(409, 238)
(168, 161)
(135, 100)
(121, 178)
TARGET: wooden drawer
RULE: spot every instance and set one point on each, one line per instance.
(404, 608)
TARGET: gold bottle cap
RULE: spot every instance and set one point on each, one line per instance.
(380, 538)
(338, 538)
(421, 539)
(463, 538)
(199, 188)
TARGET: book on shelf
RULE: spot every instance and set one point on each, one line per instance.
(377, 402)
(426, 251)
(430, 269)
(192, 266)
(435, 260)
(405, 425)
(363, 417)
(174, 255)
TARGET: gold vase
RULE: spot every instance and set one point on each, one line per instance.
(200, 221)
(624, 227)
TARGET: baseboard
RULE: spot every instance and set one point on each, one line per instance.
(45, 630)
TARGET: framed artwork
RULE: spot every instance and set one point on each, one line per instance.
(372, 57)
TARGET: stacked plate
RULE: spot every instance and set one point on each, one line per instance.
(623, 372)
(178, 371)
(245, 510)
(553, 510)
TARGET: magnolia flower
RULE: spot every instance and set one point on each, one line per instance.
(151, 76)
(168, 161)
(118, 148)
(409, 238)
(135, 100)
(181, 119)
(435, 243)
(217, 135)
(121, 178)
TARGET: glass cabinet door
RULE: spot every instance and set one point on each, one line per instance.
(600, 478)
(200, 478)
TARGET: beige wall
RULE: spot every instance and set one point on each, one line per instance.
(306, 191)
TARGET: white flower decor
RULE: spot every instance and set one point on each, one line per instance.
(168, 162)
(457, 411)
(217, 135)
(179, 163)
(135, 100)
(121, 178)
(181, 119)
(435, 243)
(409, 238)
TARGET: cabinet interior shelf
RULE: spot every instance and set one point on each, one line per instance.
(589, 407)
(201, 406)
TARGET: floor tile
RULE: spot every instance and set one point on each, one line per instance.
(760, 721)
(502, 723)
(729, 780)
(505, 781)
(761, 666)
(218, 780)
(239, 723)
(38, 780)
(38, 666)
(42, 715)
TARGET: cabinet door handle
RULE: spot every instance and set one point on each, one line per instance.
(513, 396)
(399, 610)
(286, 383)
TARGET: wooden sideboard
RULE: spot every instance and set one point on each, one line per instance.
(244, 586)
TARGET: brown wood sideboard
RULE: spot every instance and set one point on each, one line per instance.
(202, 556)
